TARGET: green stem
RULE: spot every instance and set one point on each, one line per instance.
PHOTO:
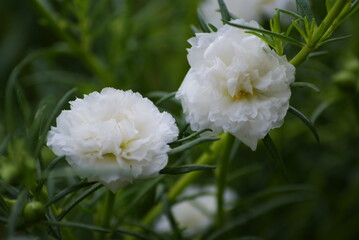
(83, 52)
(185, 180)
(329, 23)
(110, 200)
(222, 178)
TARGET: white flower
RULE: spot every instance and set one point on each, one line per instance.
(236, 84)
(244, 9)
(114, 130)
(196, 214)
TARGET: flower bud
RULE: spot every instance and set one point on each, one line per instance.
(10, 174)
(34, 211)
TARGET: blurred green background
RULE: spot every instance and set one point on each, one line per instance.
(141, 45)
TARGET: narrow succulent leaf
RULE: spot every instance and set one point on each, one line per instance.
(202, 23)
(47, 171)
(290, 13)
(195, 29)
(274, 154)
(55, 230)
(273, 34)
(305, 85)
(69, 190)
(317, 53)
(266, 39)
(300, 30)
(167, 211)
(336, 39)
(24, 104)
(224, 11)
(85, 194)
(95, 228)
(319, 110)
(165, 98)
(193, 135)
(16, 213)
(186, 169)
(51, 118)
(304, 9)
(38, 119)
(141, 195)
(191, 144)
(305, 120)
(213, 28)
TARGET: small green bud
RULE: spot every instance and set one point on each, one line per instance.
(10, 174)
(34, 212)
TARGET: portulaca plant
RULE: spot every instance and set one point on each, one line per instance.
(148, 164)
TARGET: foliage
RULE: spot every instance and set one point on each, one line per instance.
(293, 187)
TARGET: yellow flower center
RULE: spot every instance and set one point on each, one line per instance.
(242, 94)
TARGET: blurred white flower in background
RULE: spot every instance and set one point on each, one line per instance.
(245, 9)
(114, 130)
(236, 84)
(195, 214)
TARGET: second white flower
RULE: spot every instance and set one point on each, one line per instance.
(236, 84)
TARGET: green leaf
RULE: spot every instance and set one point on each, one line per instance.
(305, 120)
(51, 118)
(174, 226)
(140, 196)
(273, 34)
(305, 84)
(191, 144)
(213, 28)
(68, 190)
(193, 135)
(304, 9)
(335, 39)
(95, 228)
(85, 194)
(46, 173)
(319, 110)
(186, 169)
(15, 215)
(202, 23)
(224, 11)
(290, 13)
(274, 154)
(165, 98)
(300, 30)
